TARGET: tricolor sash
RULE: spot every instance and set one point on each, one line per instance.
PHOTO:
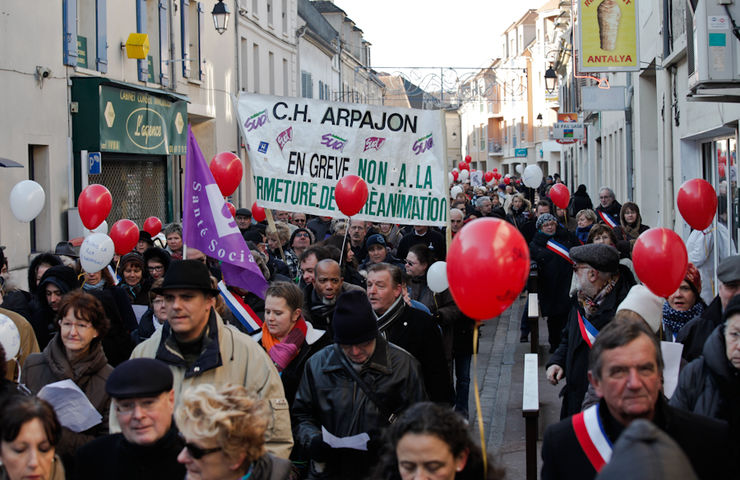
(588, 331)
(607, 219)
(559, 249)
(241, 310)
(592, 438)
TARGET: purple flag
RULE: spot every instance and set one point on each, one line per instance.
(207, 225)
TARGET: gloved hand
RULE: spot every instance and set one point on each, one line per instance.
(319, 450)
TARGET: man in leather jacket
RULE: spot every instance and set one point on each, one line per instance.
(360, 384)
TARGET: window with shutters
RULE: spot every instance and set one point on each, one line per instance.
(85, 34)
(306, 85)
(192, 18)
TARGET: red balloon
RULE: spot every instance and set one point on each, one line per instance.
(152, 226)
(231, 208)
(455, 174)
(258, 213)
(560, 195)
(93, 205)
(488, 176)
(660, 260)
(697, 202)
(507, 180)
(351, 194)
(468, 158)
(463, 166)
(495, 170)
(492, 249)
(496, 175)
(125, 236)
(227, 171)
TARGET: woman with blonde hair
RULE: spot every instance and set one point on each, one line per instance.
(224, 433)
(518, 210)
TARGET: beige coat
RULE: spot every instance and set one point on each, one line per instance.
(29, 344)
(244, 362)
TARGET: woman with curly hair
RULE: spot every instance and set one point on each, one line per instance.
(224, 433)
(432, 441)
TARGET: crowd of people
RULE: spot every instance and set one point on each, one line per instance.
(358, 369)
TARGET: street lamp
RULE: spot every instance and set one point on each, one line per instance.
(220, 16)
(551, 80)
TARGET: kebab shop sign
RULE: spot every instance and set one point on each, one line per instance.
(608, 36)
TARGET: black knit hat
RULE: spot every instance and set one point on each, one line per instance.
(354, 321)
(64, 278)
(139, 377)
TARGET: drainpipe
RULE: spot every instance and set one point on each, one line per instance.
(628, 139)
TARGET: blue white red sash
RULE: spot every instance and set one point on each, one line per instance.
(607, 219)
(592, 438)
(559, 249)
(241, 310)
(588, 331)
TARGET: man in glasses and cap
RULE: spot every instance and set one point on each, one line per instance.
(200, 348)
(601, 288)
(148, 444)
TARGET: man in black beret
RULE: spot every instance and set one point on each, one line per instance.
(148, 445)
(600, 289)
(358, 385)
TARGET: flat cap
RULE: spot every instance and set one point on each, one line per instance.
(729, 269)
(244, 212)
(139, 377)
(601, 257)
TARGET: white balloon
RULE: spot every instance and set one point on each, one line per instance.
(27, 200)
(96, 252)
(532, 176)
(456, 170)
(455, 191)
(102, 228)
(9, 337)
(463, 175)
(452, 179)
(437, 277)
(519, 168)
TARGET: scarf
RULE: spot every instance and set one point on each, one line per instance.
(675, 319)
(282, 353)
(133, 292)
(632, 231)
(591, 305)
(385, 320)
(582, 233)
(90, 287)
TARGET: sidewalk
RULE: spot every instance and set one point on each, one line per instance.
(500, 374)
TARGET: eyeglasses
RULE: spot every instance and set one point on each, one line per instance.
(80, 326)
(198, 452)
(409, 262)
(302, 234)
(156, 268)
(127, 406)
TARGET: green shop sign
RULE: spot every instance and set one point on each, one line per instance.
(128, 120)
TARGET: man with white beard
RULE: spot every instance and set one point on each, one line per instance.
(600, 289)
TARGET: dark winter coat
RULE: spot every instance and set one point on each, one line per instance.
(695, 333)
(579, 201)
(146, 327)
(329, 397)
(612, 210)
(114, 458)
(416, 332)
(432, 239)
(704, 440)
(457, 329)
(419, 291)
(89, 373)
(117, 343)
(554, 272)
(710, 385)
(572, 353)
(42, 316)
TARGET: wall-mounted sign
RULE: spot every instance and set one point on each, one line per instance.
(94, 162)
(520, 153)
(608, 36)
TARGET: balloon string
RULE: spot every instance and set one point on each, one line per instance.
(477, 398)
(344, 241)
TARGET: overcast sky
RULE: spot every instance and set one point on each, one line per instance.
(434, 33)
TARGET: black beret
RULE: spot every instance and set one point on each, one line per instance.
(139, 377)
(244, 212)
(601, 257)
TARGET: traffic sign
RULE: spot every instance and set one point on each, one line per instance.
(95, 163)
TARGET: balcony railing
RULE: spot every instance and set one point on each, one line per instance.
(494, 147)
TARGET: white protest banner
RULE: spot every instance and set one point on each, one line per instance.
(299, 148)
